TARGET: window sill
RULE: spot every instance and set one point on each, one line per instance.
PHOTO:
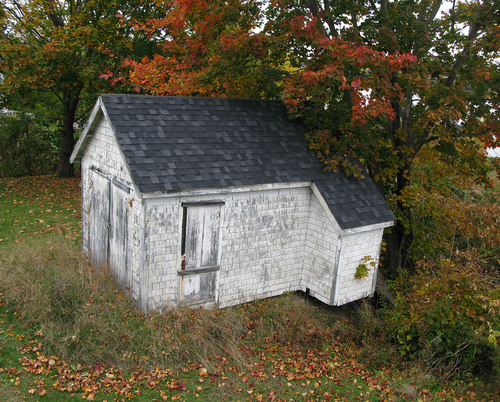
(198, 271)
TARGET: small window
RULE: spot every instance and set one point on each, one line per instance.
(200, 251)
(200, 235)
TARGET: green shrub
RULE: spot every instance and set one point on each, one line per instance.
(449, 317)
(26, 146)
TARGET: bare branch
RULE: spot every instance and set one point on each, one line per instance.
(328, 18)
(433, 13)
(464, 55)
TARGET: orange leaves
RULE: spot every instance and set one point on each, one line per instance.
(205, 51)
(89, 381)
(356, 83)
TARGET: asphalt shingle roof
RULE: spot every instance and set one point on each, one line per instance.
(180, 143)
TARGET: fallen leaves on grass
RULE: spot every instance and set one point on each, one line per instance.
(88, 381)
(41, 204)
(275, 372)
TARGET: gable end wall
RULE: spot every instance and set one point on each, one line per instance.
(321, 253)
(102, 156)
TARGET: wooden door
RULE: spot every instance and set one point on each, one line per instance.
(200, 249)
(98, 220)
(118, 235)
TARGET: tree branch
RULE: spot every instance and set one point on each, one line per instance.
(464, 55)
(328, 19)
(433, 13)
(321, 15)
(426, 21)
(383, 8)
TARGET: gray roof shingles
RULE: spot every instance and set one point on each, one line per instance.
(180, 143)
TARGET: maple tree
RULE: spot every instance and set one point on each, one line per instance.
(208, 50)
(60, 47)
(375, 81)
(431, 86)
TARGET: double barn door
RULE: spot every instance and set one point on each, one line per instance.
(108, 226)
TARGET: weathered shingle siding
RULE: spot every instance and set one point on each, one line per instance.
(103, 157)
(163, 253)
(103, 153)
(263, 237)
(354, 248)
(322, 252)
(262, 244)
(137, 260)
(272, 241)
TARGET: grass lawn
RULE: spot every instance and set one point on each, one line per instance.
(67, 332)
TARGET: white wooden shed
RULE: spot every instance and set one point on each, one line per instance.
(215, 202)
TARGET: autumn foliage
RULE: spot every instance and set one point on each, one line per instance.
(449, 315)
(374, 82)
(377, 82)
(52, 53)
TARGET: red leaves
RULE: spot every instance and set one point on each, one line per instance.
(97, 368)
(356, 83)
(205, 52)
(370, 92)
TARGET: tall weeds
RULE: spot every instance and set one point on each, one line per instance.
(86, 318)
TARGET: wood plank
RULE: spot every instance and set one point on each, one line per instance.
(99, 220)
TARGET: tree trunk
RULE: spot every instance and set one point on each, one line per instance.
(400, 237)
(64, 167)
(394, 238)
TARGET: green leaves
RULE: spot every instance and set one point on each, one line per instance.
(447, 315)
(60, 48)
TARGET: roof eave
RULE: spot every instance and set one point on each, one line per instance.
(79, 148)
(348, 230)
(213, 191)
(366, 228)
